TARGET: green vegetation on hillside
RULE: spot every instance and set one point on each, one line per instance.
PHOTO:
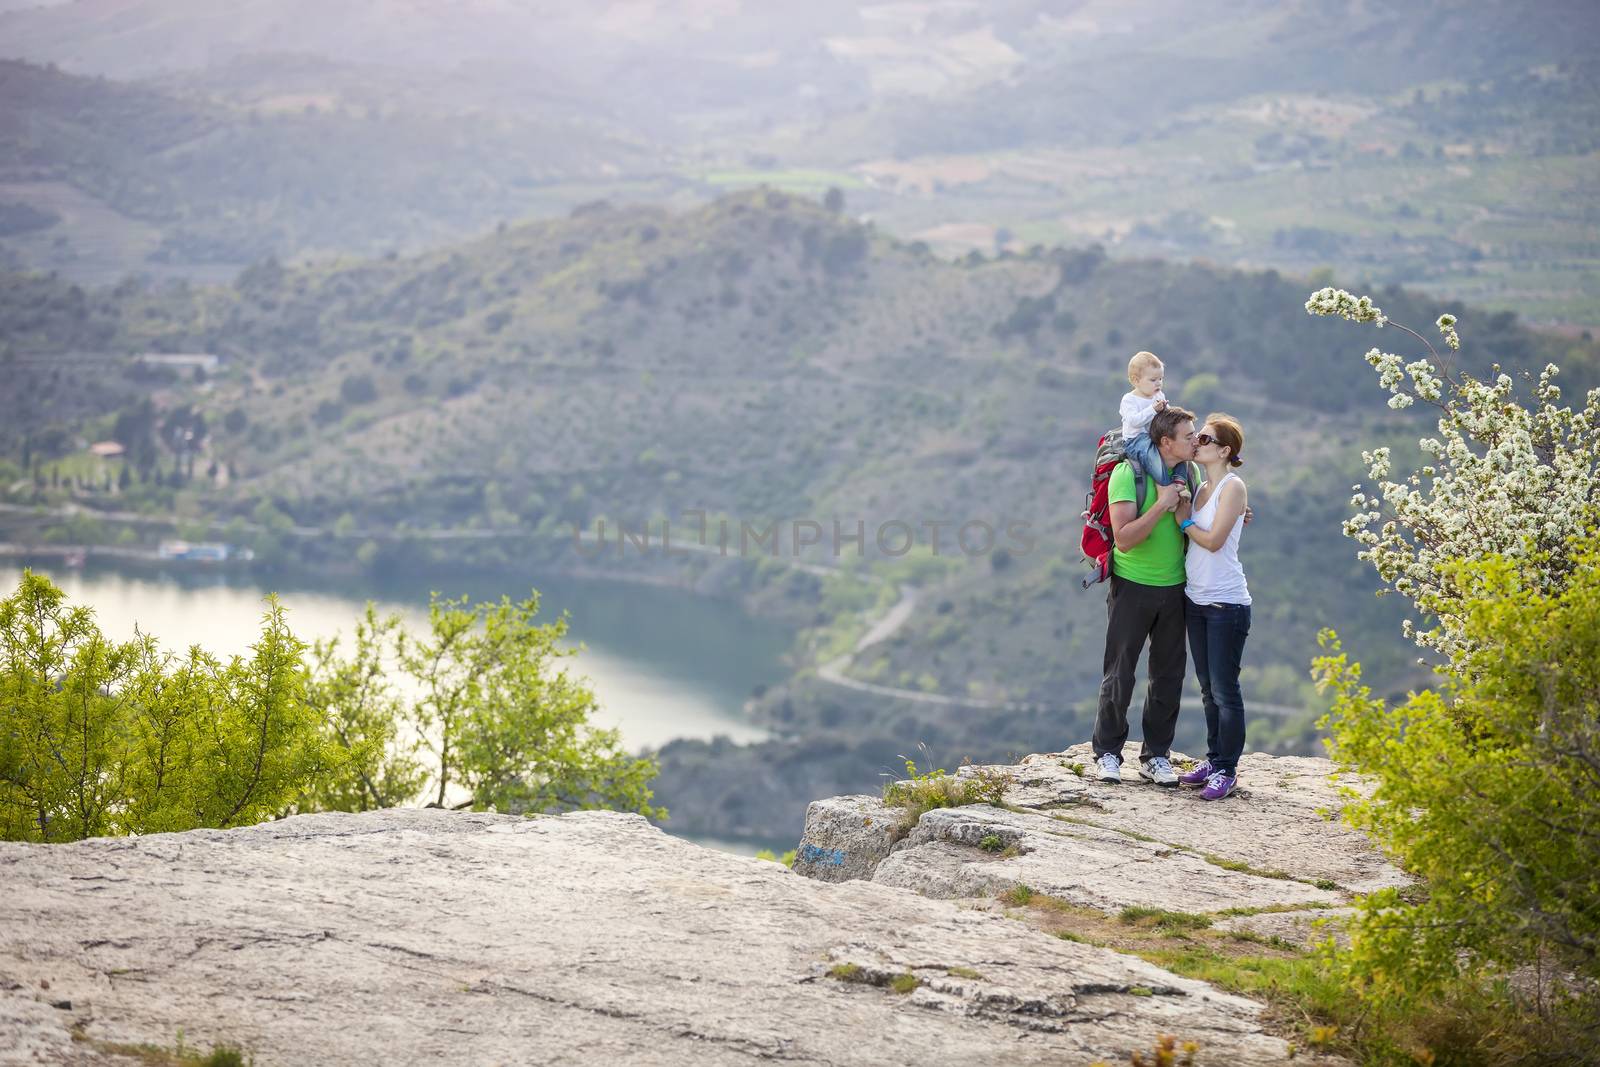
(763, 360)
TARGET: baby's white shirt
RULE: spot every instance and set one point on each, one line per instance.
(1137, 411)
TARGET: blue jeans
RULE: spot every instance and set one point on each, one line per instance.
(1216, 642)
(1143, 451)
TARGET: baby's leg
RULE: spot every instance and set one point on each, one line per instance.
(1141, 450)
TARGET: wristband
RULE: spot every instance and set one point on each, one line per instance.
(1185, 524)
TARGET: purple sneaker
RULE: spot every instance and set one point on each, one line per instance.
(1219, 785)
(1198, 776)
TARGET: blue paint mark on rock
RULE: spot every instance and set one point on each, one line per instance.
(833, 857)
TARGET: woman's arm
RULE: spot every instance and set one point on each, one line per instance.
(1230, 505)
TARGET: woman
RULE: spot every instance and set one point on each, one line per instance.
(1217, 602)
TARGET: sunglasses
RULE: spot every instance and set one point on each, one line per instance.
(1204, 439)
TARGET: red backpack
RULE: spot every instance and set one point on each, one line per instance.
(1098, 539)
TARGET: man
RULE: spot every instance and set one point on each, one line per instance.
(1145, 602)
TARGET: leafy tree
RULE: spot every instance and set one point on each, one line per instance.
(843, 251)
(328, 412)
(1203, 390)
(498, 720)
(135, 428)
(102, 737)
(362, 712)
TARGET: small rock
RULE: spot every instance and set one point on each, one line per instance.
(845, 838)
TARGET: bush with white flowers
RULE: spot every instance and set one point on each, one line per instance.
(1486, 789)
(1502, 478)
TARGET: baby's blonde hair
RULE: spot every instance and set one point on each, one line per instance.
(1141, 362)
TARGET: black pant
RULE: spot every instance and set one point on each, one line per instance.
(1216, 638)
(1135, 613)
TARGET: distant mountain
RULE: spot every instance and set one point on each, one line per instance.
(1002, 74)
(1097, 74)
(659, 66)
(226, 182)
(1437, 144)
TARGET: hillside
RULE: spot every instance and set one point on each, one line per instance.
(1434, 144)
(763, 360)
(1101, 72)
(128, 179)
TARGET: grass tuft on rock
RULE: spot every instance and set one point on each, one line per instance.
(1170, 922)
(921, 792)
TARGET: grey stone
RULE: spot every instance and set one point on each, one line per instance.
(1083, 864)
(414, 936)
(1283, 819)
(845, 838)
(1276, 843)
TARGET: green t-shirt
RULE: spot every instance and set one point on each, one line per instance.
(1158, 559)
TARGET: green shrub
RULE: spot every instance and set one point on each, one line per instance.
(1488, 789)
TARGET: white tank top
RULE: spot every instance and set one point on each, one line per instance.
(1215, 577)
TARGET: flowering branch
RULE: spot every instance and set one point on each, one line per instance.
(1501, 477)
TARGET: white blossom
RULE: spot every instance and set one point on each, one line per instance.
(1447, 326)
(1502, 476)
(1332, 301)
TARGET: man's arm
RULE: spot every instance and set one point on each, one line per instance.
(1129, 529)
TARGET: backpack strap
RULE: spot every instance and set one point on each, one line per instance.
(1194, 489)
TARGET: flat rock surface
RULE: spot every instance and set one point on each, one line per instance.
(409, 936)
(1274, 844)
(1283, 818)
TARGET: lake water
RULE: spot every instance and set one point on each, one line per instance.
(663, 662)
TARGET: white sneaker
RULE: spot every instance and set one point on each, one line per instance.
(1110, 768)
(1158, 769)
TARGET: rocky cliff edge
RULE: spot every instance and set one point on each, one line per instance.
(414, 936)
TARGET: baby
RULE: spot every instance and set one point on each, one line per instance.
(1145, 374)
